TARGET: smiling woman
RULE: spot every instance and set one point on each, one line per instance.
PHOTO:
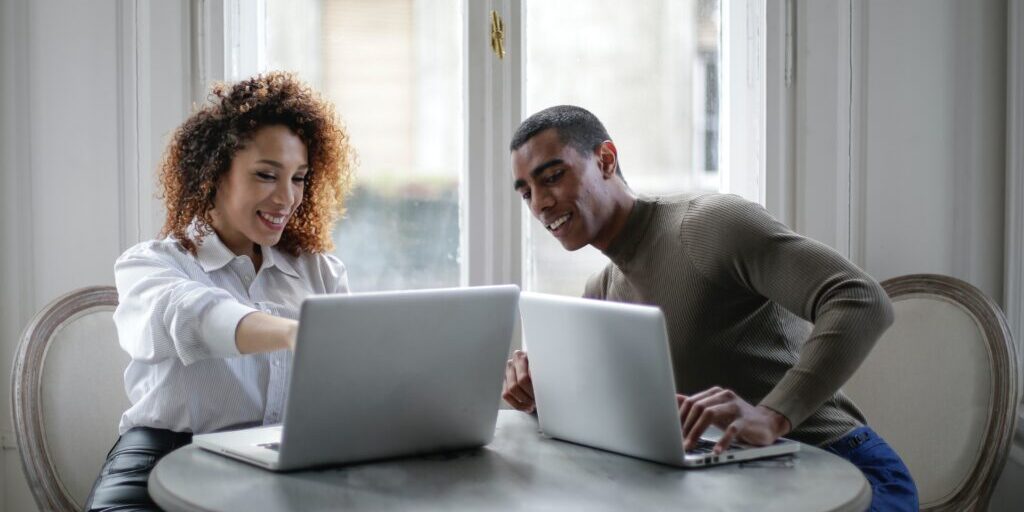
(253, 183)
(261, 191)
(203, 147)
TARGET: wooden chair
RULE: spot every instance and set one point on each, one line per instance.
(942, 387)
(68, 396)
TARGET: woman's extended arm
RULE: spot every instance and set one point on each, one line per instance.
(260, 332)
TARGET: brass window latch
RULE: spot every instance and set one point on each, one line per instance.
(497, 35)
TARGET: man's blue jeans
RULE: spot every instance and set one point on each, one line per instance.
(892, 488)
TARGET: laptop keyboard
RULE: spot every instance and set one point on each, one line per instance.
(270, 446)
(705, 447)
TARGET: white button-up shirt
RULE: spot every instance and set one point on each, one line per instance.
(177, 318)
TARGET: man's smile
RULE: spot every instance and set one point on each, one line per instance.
(558, 222)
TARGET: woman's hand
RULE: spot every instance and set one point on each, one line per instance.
(738, 419)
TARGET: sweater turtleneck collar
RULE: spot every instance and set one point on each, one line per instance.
(623, 247)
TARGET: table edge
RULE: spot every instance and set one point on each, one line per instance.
(174, 503)
(863, 499)
(164, 497)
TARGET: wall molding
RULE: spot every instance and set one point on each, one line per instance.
(19, 217)
(856, 174)
(153, 38)
(1013, 294)
(18, 296)
(128, 122)
(25, 258)
(828, 145)
(21, 157)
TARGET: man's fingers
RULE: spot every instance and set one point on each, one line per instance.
(698, 408)
(703, 422)
(512, 383)
(714, 390)
(727, 438)
(513, 392)
(522, 368)
(687, 405)
(516, 404)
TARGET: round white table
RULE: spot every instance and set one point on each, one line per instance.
(519, 470)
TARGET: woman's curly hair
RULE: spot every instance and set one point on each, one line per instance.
(202, 148)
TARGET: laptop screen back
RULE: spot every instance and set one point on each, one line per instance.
(602, 375)
(379, 375)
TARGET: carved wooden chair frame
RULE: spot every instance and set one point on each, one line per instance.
(1006, 383)
(26, 400)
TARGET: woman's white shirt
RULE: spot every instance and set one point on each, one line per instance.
(177, 318)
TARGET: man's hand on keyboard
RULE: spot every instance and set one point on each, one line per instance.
(738, 419)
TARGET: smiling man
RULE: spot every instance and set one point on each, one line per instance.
(764, 325)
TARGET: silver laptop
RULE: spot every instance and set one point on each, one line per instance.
(383, 375)
(602, 377)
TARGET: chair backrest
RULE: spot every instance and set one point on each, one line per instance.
(942, 387)
(68, 395)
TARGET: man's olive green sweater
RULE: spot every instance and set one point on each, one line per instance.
(750, 305)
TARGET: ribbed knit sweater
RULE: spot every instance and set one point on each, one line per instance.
(750, 305)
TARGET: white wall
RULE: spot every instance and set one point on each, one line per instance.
(934, 124)
(899, 111)
(88, 93)
(900, 122)
(60, 208)
(934, 139)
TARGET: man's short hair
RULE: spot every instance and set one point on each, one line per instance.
(575, 126)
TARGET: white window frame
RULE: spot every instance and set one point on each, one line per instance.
(229, 42)
(743, 94)
(780, 69)
(229, 39)
(491, 230)
(229, 46)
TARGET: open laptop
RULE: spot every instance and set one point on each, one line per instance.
(383, 375)
(602, 377)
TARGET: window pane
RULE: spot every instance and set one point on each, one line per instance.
(393, 69)
(649, 71)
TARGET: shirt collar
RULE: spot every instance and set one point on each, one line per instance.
(211, 251)
(275, 258)
(214, 255)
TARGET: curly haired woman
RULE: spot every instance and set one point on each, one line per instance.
(252, 184)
